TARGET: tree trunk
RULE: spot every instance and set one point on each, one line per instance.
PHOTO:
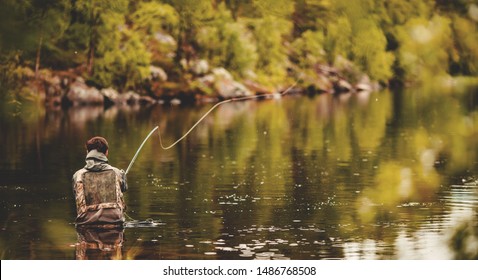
(37, 61)
(91, 55)
(91, 46)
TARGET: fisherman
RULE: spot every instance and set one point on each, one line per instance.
(98, 188)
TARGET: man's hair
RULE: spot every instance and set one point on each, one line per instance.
(97, 143)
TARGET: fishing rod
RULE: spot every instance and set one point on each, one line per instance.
(139, 149)
(197, 123)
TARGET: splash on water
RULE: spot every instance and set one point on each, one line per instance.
(146, 223)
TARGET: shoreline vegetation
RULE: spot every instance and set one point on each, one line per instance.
(76, 52)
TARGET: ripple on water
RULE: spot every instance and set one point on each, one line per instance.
(465, 196)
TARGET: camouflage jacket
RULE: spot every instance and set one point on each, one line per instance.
(98, 188)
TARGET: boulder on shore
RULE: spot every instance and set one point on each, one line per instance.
(342, 86)
(111, 96)
(157, 74)
(81, 94)
(364, 84)
(226, 87)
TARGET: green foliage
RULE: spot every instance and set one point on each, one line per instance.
(152, 17)
(358, 37)
(277, 8)
(155, 23)
(35, 24)
(386, 39)
(399, 11)
(308, 51)
(369, 52)
(193, 14)
(272, 54)
(338, 40)
(424, 48)
(312, 15)
(228, 44)
(97, 15)
(466, 53)
(124, 60)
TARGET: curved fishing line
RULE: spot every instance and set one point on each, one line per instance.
(196, 124)
(212, 109)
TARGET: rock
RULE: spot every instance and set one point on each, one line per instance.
(222, 74)
(200, 67)
(130, 97)
(473, 12)
(364, 84)
(205, 84)
(175, 101)
(111, 96)
(157, 73)
(80, 94)
(207, 80)
(257, 88)
(230, 89)
(319, 81)
(342, 86)
(79, 80)
(225, 85)
(164, 38)
(53, 91)
(184, 64)
(323, 84)
(146, 100)
(326, 70)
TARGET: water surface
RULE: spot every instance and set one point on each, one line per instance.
(359, 176)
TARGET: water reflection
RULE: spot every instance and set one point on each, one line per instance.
(99, 244)
(358, 176)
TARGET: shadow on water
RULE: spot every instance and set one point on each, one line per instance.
(357, 176)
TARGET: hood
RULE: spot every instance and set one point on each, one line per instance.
(96, 161)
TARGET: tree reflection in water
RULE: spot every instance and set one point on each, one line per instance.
(358, 176)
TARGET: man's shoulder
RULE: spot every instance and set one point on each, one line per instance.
(117, 170)
(78, 174)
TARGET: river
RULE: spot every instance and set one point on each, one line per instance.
(357, 176)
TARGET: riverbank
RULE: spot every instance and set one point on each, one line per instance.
(199, 85)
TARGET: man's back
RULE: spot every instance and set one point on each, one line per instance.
(98, 189)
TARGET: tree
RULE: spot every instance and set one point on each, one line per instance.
(152, 17)
(338, 40)
(311, 15)
(308, 50)
(227, 43)
(27, 26)
(356, 34)
(156, 24)
(192, 15)
(122, 59)
(369, 51)
(424, 48)
(96, 13)
(465, 53)
(270, 32)
(51, 18)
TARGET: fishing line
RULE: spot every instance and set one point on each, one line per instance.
(197, 123)
(212, 109)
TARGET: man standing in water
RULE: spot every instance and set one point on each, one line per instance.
(98, 188)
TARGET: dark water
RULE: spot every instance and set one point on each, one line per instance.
(359, 176)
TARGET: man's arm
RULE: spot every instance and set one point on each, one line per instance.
(124, 183)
